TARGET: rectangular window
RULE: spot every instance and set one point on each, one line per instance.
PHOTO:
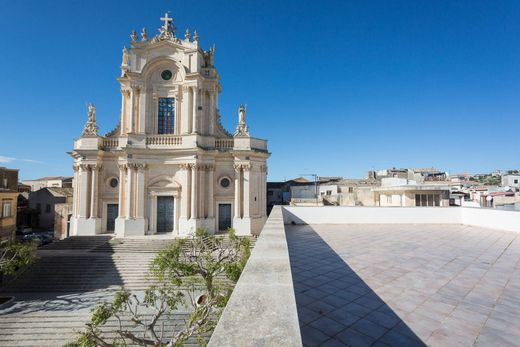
(47, 208)
(351, 189)
(427, 200)
(6, 209)
(166, 116)
(516, 181)
(39, 208)
(329, 192)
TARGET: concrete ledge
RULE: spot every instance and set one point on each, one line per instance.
(262, 309)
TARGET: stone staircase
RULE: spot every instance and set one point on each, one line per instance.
(54, 296)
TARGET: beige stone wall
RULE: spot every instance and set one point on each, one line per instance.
(8, 223)
(62, 213)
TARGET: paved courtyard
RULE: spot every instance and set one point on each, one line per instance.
(406, 285)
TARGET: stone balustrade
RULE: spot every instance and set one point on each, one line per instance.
(224, 143)
(164, 140)
(110, 142)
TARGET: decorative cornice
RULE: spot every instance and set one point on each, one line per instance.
(244, 167)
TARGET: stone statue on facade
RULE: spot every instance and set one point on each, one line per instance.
(126, 57)
(133, 36)
(242, 128)
(144, 35)
(91, 128)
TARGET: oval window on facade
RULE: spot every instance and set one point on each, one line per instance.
(225, 182)
(113, 182)
(166, 75)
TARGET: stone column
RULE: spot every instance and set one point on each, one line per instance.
(263, 208)
(121, 207)
(247, 190)
(83, 190)
(211, 198)
(129, 192)
(141, 115)
(238, 194)
(194, 191)
(185, 111)
(185, 192)
(131, 117)
(124, 96)
(195, 126)
(75, 191)
(177, 111)
(94, 191)
(212, 111)
(140, 198)
(202, 192)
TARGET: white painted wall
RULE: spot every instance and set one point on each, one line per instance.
(491, 218)
(370, 215)
(487, 218)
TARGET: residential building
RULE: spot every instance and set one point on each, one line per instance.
(8, 202)
(169, 166)
(403, 192)
(42, 203)
(512, 181)
(49, 181)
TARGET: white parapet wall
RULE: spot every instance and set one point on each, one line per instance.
(487, 218)
(491, 218)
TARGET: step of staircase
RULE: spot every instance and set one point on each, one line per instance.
(54, 295)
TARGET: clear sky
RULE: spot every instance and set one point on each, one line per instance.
(337, 87)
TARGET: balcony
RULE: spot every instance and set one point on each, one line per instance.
(169, 141)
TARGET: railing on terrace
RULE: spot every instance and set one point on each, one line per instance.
(164, 140)
(224, 143)
(110, 142)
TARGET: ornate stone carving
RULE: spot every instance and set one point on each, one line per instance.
(133, 36)
(96, 167)
(243, 166)
(122, 167)
(242, 128)
(144, 35)
(141, 166)
(167, 31)
(196, 36)
(84, 167)
(91, 128)
(75, 167)
(187, 35)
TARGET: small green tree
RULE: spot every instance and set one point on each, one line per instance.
(185, 274)
(14, 255)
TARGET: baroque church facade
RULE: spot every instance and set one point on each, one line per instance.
(169, 165)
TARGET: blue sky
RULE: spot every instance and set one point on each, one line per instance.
(337, 87)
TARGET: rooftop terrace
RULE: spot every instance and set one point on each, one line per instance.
(390, 277)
